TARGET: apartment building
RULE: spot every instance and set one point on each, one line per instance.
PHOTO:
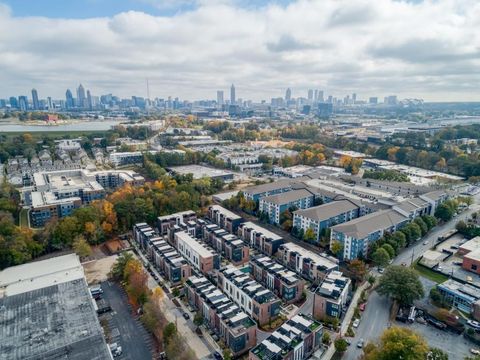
(275, 205)
(168, 221)
(314, 267)
(296, 339)
(319, 218)
(284, 283)
(229, 245)
(169, 262)
(126, 158)
(330, 299)
(356, 235)
(224, 218)
(202, 257)
(259, 238)
(257, 301)
(236, 329)
(435, 198)
(257, 192)
(46, 207)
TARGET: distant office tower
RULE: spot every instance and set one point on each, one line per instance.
(81, 98)
(232, 95)
(13, 102)
(310, 95)
(354, 98)
(220, 100)
(325, 109)
(346, 100)
(36, 104)
(373, 100)
(89, 100)
(391, 100)
(69, 104)
(288, 94)
(315, 97)
(23, 103)
(49, 103)
(320, 96)
(330, 99)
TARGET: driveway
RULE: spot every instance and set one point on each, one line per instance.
(126, 331)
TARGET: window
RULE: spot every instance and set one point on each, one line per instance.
(474, 267)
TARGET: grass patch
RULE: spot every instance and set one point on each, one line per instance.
(429, 274)
(23, 218)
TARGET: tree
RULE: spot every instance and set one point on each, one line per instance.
(435, 295)
(309, 235)
(326, 338)
(444, 212)
(398, 343)
(227, 354)
(381, 257)
(336, 247)
(389, 249)
(400, 239)
(118, 267)
(437, 354)
(430, 221)
(81, 247)
(198, 318)
(422, 225)
(401, 284)
(341, 345)
(358, 269)
(169, 331)
(415, 231)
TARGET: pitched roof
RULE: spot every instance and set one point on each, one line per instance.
(287, 197)
(363, 226)
(329, 210)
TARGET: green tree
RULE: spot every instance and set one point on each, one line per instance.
(227, 354)
(444, 212)
(336, 247)
(309, 235)
(169, 331)
(65, 232)
(341, 345)
(400, 239)
(198, 318)
(437, 354)
(389, 249)
(398, 343)
(326, 338)
(81, 247)
(423, 226)
(118, 268)
(381, 257)
(401, 284)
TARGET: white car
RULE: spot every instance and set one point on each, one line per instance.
(425, 242)
(356, 323)
(475, 351)
(474, 324)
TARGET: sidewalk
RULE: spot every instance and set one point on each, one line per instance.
(173, 314)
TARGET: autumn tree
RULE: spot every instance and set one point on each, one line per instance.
(309, 235)
(81, 247)
(336, 248)
(136, 278)
(358, 269)
(398, 343)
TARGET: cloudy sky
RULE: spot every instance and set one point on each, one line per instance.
(191, 48)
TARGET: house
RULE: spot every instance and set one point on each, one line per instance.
(330, 298)
(229, 245)
(202, 258)
(296, 339)
(224, 218)
(259, 238)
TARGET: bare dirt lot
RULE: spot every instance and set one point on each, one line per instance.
(97, 270)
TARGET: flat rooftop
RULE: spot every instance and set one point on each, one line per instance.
(53, 322)
(227, 213)
(261, 230)
(39, 274)
(325, 261)
(199, 171)
(196, 246)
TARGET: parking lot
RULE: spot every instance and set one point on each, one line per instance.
(126, 331)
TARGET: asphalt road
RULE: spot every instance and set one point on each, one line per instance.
(126, 331)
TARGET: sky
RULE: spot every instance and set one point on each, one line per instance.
(426, 49)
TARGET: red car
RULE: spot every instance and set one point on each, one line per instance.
(362, 306)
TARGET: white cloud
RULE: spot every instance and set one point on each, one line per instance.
(429, 49)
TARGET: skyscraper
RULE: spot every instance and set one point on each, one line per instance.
(81, 99)
(49, 103)
(13, 102)
(354, 98)
(288, 94)
(23, 103)
(220, 98)
(310, 95)
(320, 96)
(36, 105)
(315, 96)
(232, 95)
(69, 99)
(89, 100)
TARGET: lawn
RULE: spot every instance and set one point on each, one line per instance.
(430, 274)
(23, 219)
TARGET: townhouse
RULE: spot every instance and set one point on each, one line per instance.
(224, 218)
(296, 339)
(166, 222)
(235, 328)
(356, 235)
(257, 301)
(330, 298)
(259, 238)
(283, 282)
(229, 245)
(200, 256)
(319, 218)
(164, 257)
(314, 267)
(275, 205)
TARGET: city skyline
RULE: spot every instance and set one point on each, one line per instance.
(263, 48)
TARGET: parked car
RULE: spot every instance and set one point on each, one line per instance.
(362, 306)
(217, 356)
(381, 270)
(425, 242)
(404, 264)
(186, 316)
(475, 351)
(360, 344)
(474, 324)
(356, 323)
